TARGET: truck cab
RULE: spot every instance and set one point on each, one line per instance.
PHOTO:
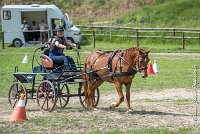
(12, 17)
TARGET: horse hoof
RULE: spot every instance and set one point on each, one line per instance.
(91, 109)
(113, 105)
(129, 111)
(95, 109)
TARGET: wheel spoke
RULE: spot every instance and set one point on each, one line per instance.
(47, 105)
(48, 90)
(15, 103)
(43, 103)
(41, 91)
(60, 101)
(64, 99)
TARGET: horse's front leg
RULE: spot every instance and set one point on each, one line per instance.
(128, 86)
(118, 87)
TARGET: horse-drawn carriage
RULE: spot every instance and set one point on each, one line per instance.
(53, 87)
(118, 67)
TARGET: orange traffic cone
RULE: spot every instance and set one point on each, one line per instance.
(155, 67)
(150, 69)
(19, 112)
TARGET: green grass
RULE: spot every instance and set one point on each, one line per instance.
(44, 124)
(170, 13)
(147, 131)
(175, 71)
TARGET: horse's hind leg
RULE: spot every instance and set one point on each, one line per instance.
(86, 94)
(118, 87)
(87, 90)
(128, 86)
(90, 98)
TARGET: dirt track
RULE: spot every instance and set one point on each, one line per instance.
(172, 108)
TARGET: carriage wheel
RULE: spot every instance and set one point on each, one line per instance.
(62, 100)
(45, 96)
(82, 96)
(14, 93)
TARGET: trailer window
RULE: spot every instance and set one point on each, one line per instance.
(6, 15)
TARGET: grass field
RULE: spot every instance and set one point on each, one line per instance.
(175, 71)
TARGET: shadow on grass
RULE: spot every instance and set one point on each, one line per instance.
(143, 112)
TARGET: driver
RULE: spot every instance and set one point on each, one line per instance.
(57, 44)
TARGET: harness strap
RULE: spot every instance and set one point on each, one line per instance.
(111, 74)
(110, 58)
(96, 60)
(116, 74)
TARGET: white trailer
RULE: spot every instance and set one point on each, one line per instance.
(12, 17)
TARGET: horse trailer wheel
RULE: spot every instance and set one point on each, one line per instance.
(82, 97)
(14, 93)
(45, 96)
(17, 43)
(62, 98)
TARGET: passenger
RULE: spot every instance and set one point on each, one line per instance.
(25, 28)
(43, 33)
(35, 33)
(58, 44)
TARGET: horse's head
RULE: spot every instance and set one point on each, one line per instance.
(142, 62)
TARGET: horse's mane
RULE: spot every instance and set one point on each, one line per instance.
(127, 51)
(130, 51)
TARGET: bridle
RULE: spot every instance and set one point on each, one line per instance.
(139, 68)
(136, 62)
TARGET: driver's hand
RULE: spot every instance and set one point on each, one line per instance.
(74, 44)
(78, 46)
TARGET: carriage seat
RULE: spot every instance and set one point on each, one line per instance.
(46, 61)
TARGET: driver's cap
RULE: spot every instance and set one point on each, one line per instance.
(59, 28)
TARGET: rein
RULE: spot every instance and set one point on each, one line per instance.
(134, 70)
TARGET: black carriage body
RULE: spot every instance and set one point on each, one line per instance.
(24, 77)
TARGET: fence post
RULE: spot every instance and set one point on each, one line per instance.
(3, 40)
(137, 37)
(174, 32)
(94, 39)
(101, 30)
(183, 41)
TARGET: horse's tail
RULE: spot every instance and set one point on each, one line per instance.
(84, 71)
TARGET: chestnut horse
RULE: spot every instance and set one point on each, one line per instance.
(126, 63)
